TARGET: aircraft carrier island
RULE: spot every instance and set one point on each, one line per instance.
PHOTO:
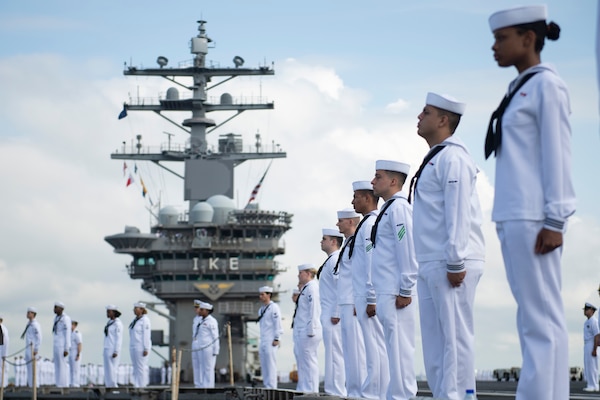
(214, 251)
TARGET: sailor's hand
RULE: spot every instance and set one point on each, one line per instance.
(115, 355)
(403, 302)
(145, 353)
(65, 353)
(456, 278)
(371, 310)
(334, 320)
(547, 241)
(275, 343)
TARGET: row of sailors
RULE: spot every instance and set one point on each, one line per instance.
(359, 302)
(89, 374)
(67, 346)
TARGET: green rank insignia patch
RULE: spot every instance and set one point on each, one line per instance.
(401, 232)
(369, 247)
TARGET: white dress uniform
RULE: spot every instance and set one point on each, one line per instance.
(394, 273)
(448, 238)
(590, 364)
(377, 365)
(4, 351)
(352, 340)
(335, 377)
(196, 362)
(205, 342)
(113, 340)
(534, 190)
(61, 331)
(74, 364)
(307, 335)
(270, 329)
(139, 341)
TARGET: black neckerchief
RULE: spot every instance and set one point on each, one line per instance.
(415, 179)
(356, 233)
(374, 229)
(493, 139)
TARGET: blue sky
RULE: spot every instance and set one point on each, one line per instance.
(351, 77)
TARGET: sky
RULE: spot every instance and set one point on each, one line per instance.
(350, 80)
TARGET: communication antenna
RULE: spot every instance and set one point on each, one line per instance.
(238, 61)
(168, 140)
(162, 61)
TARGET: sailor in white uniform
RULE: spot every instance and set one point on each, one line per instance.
(335, 377)
(450, 249)
(394, 274)
(590, 359)
(205, 343)
(61, 332)
(307, 330)
(113, 340)
(75, 355)
(4, 340)
(377, 365)
(140, 345)
(534, 195)
(269, 319)
(352, 341)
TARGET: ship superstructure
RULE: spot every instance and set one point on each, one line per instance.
(213, 252)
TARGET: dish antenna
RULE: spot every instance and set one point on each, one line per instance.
(162, 61)
(238, 61)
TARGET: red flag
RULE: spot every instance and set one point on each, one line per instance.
(129, 180)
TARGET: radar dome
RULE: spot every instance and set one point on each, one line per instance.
(168, 215)
(226, 99)
(172, 93)
(131, 229)
(222, 205)
(202, 212)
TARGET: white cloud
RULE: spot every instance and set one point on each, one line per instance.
(398, 106)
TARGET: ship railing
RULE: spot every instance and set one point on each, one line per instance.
(132, 148)
(216, 100)
(211, 64)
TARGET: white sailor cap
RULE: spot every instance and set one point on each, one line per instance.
(445, 102)
(139, 304)
(331, 232)
(347, 213)
(206, 306)
(589, 305)
(32, 309)
(362, 185)
(304, 267)
(517, 16)
(197, 303)
(59, 304)
(112, 307)
(389, 165)
(265, 289)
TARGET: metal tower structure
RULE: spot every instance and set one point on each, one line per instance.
(214, 252)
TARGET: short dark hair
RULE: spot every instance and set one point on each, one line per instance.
(369, 193)
(453, 118)
(400, 176)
